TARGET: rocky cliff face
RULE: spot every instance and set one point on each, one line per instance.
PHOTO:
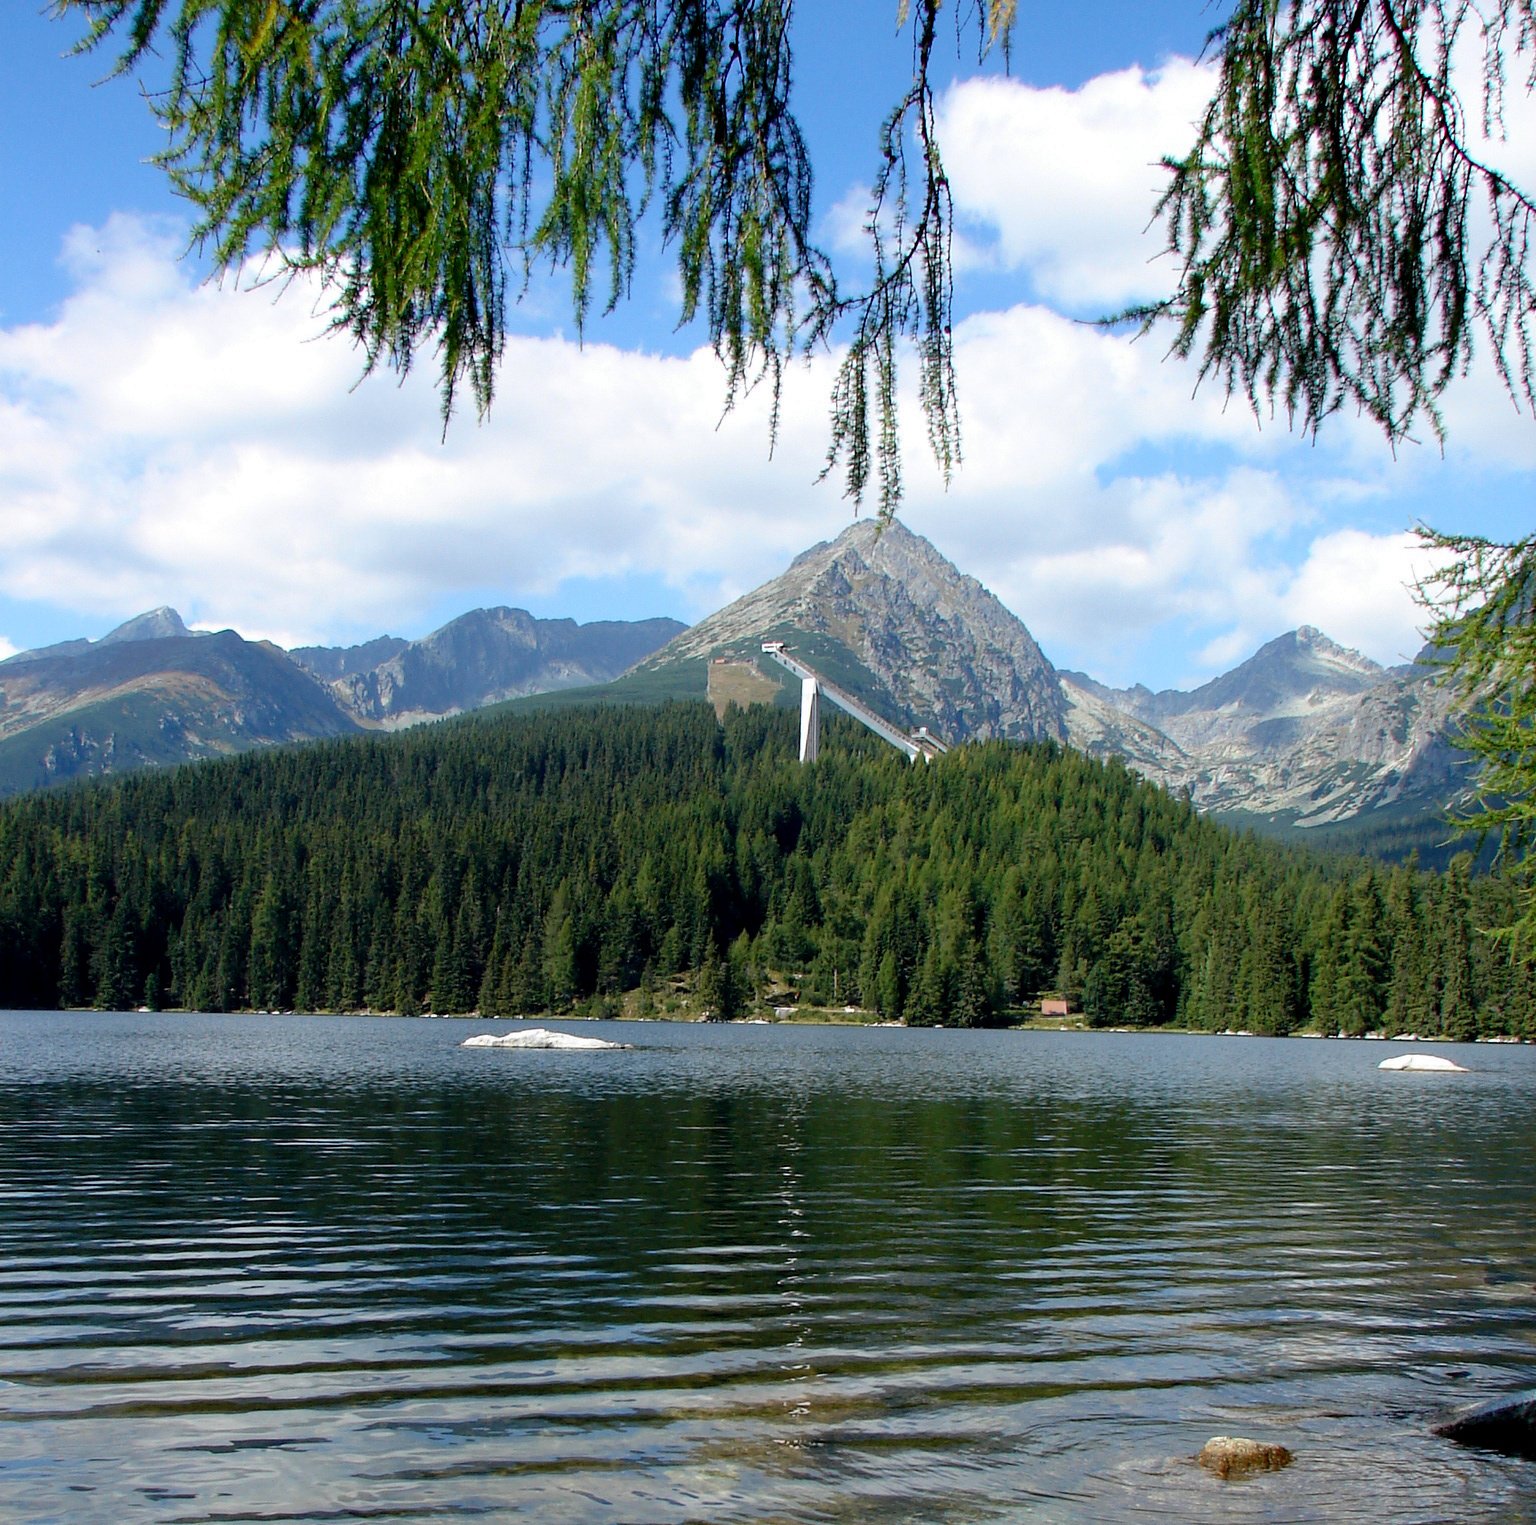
(1305, 730)
(891, 617)
(480, 658)
(331, 662)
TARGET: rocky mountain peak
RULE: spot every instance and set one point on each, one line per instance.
(155, 625)
(478, 658)
(937, 648)
(1301, 663)
(1305, 728)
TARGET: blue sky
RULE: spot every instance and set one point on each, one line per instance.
(166, 439)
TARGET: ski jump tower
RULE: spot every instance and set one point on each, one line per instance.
(919, 743)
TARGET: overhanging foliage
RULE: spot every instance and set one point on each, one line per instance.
(422, 156)
(1326, 219)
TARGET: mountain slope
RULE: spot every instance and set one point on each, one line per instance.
(480, 658)
(1304, 733)
(882, 613)
(137, 699)
(1293, 674)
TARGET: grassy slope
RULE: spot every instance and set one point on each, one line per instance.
(133, 722)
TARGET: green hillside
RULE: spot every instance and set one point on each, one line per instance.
(555, 860)
(111, 735)
(661, 678)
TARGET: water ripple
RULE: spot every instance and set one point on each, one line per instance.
(747, 1275)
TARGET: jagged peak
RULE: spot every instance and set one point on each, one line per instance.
(1325, 649)
(153, 625)
(861, 535)
(932, 644)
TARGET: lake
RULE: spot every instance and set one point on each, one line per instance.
(323, 1268)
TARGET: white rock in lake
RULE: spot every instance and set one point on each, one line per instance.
(1423, 1062)
(536, 1037)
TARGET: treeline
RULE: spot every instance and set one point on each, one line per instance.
(554, 861)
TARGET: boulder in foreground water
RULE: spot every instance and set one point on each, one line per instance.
(1425, 1062)
(1507, 1425)
(536, 1037)
(1233, 1455)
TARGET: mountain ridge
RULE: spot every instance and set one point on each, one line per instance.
(151, 701)
(1305, 733)
(482, 657)
(152, 693)
(900, 611)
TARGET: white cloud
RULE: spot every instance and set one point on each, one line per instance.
(164, 442)
(1058, 186)
(1062, 183)
(1106, 573)
(168, 441)
(1358, 586)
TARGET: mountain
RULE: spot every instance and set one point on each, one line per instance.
(1305, 736)
(1291, 675)
(156, 625)
(331, 662)
(480, 658)
(1305, 733)
(882, 613)
(151, 694)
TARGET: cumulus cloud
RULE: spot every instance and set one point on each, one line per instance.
(1061, 184)
(163, 441)
(168, 440)
(1108, 571)
(1363, 578)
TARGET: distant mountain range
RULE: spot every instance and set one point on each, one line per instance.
(1303, 735)
(152, 693)
(1305, 732)
(480, 658)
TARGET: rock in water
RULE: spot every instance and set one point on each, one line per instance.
(1507, 1425)
(536, 1037)
(1424, 1062)
(1233, 1455)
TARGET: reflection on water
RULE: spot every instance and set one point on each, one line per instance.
(329, 1268)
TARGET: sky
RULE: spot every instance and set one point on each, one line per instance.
(172, 437)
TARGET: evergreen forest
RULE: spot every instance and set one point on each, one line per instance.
(598, 859)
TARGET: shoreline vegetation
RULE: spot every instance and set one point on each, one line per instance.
(824, 1016)
(661, 861)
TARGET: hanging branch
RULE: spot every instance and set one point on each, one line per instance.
(423, 157)
(1323, 219)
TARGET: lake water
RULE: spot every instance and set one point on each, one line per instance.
(283, 1268)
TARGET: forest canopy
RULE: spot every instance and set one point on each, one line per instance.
(591, 860)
